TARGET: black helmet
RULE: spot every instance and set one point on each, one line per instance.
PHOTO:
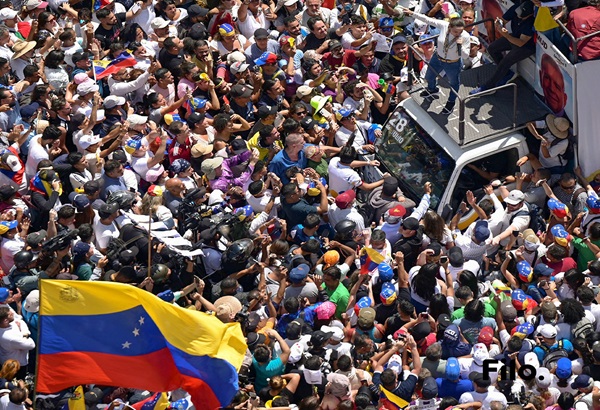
(124, 199)
(160, 273)
(239, 251)
(22, 259)
(345, 227)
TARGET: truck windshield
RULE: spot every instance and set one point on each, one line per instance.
(413, 157)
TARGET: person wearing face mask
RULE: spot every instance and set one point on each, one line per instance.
(453, 46)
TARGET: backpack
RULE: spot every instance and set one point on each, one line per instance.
(569, 153)
(582, 328)
(536, 219)
(554, 355)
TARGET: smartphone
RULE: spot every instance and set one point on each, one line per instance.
(542, 283)
(135, 8)
(444, 259)
(424, 315)
(499, 21)
(515, 234)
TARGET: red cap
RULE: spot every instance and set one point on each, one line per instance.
(397, 211)
(486, 336)
(344, 199)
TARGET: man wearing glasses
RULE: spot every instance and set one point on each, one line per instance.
(569, 192)
(516, 217)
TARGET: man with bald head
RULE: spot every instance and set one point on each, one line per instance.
(174, 192)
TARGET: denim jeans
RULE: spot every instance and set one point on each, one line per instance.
(452, 73)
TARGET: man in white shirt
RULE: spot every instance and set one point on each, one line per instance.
(40, 148)
(343, 178)
(344, 209)
(15, 342)
(516, 216)
(313, 9)
(105, 228)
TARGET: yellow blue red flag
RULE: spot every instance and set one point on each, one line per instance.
(113, 334)
(391, 401)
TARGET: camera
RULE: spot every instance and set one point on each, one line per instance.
(60, 241)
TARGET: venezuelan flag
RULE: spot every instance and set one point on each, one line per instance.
(369, 260)
(104, 68)
(391, 401)
(98, 4)
(157, 402)
(118, 335)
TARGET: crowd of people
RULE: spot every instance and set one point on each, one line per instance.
(237, 131)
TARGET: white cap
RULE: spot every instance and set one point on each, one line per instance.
(338, 334)
(81, 78)
(532, 360)
(239, 67)
(547, 331)
(236, 56)
(32, 301)
(543, 378)
(480, 353)
(136, 119)
(515, 197)
(158, 23)
(474, 40)
(112, 101)
(12, 162)
(7, 14)
(87, 141)
(87, 87)
(303, 91)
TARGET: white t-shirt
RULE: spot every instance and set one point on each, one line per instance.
(252, 23)
(342, 177)
(104, 233)
(36, 154)
(140, 165)
(9, 248)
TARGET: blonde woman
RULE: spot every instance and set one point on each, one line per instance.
(226, 40)
(153, 203)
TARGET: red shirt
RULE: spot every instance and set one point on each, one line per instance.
(584, 21)
(562, 266)
(347, 60)
(177, 150)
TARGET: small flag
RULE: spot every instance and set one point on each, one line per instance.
(391, 401)
(157, 402)
(77, 402)
(369, 260)
(104, 68)
(98, 4)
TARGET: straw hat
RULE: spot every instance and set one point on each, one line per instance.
(558, 126)
(22, 47)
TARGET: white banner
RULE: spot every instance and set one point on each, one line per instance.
(554, 78)
(588, 90)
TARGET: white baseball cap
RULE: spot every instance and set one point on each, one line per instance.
(87, 141)
(158, 23)
(515, 197)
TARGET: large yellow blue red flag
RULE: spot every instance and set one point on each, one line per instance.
(390, 400)
(369, 260)
(118, 335)
(104, 68)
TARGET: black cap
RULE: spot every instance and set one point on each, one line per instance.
(261, 34)
(399, 39)
(128, 256)
(266, 110)
(109, 209)
(480, 380)
(430, 389)
(48, 175)
(420, 331)
(241, 90)
(411, 224)
(208, 235)
(238, 146)
(390, 186)
(255, 339)
(120, 155)
(436, 248)
(7, 191)
(333, 44)
(308, 123)
(319, 338)
(197, 11)
(252, 322)
(443, 321)
(195, 118)
(198, 32)
(79, 56)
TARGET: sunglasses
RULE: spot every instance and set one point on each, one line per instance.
(387, 28)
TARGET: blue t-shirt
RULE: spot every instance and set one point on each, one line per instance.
(281, 162)
(447, 388)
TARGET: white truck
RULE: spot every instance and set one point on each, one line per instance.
(420, 144)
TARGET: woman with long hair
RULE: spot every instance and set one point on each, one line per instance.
(8, 373)
(435, 229)
(172, 13)
(423, 284)
(153, 203)
(55, 71)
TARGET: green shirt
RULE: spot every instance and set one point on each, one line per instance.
(584, 253)
(322, 167)
(460, 313)
(340, 297)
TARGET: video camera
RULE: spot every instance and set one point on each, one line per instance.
(60, 241)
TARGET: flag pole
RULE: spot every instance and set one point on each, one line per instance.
(150, 242)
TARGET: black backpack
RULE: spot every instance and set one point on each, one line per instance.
(552, 356)
(536, 217)
(569, 153)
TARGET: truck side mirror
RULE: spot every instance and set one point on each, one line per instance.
(447, 213)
